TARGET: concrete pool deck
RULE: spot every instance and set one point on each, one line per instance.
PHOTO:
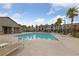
(64, 46)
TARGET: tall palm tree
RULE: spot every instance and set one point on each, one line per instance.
(71, 13)
(58, 22)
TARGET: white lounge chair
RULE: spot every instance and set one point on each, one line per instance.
(9, 49)
(3, 45)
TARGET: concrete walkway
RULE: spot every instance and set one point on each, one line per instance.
(44, 48)
(64, 46)
(68, 41)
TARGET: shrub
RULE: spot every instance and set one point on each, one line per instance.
(76, 34)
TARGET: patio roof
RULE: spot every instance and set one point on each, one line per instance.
(7, 21)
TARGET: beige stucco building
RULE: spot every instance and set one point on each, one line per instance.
(8, 26)
(44, 28)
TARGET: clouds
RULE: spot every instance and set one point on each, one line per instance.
(35, 22)
(53, 20)
(51, 11)
(54, 8)
(3, 14)
(39, 21)
(66, 4)
(59, 6)
(17, 17)
(7, 6)
(22, 14)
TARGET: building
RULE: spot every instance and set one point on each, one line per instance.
(66, 28)
(48, 28)
(44, 28)
(30, 28)
(8, 26)
(76, 26)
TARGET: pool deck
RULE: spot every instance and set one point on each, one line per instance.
(64, 46)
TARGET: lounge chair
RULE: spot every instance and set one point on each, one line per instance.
(9, 49)
(3, 45)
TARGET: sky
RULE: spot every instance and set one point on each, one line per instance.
(37, 13)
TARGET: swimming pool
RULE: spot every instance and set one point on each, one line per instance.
(36, 36)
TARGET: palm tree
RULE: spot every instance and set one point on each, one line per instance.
(71, 13)
(58, 22)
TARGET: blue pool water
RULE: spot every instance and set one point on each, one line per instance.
(36, 36)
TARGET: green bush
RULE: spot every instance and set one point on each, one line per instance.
(76, 34)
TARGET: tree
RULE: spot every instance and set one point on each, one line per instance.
(24, 28)
(58, 23)
(71, 13)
